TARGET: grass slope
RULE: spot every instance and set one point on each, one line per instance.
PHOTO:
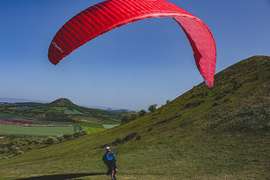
(14, 130)
(221, 133)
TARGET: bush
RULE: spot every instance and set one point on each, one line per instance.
(78, 134)
(129, 117)
(68, 137)
(51, 140)
(142, 113)
(152, 108)
(60, 138)
(127, 138)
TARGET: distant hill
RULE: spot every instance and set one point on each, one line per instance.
(62, 102)
(60, 110)
(219, 133)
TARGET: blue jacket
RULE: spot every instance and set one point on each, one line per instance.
(109, 158)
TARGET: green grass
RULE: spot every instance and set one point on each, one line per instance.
(91, 127)
(35, 130)
(91, 130)
(72, 112)
(218, 134)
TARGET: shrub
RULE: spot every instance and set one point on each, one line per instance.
(51, 140)
(152, 108)
(142, 113)
(68, 137)
(129, 117)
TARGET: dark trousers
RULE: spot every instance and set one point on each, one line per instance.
(111, 167)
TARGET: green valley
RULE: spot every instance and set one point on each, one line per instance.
(219, 133)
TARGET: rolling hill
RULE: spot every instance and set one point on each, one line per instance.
(60, 110)
(221, 133)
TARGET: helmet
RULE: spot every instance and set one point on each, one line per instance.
(108, 148)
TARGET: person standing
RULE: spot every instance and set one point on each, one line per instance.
(109, 160)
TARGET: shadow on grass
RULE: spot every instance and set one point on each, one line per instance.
(62, 176)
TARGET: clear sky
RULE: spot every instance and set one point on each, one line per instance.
(131, 67)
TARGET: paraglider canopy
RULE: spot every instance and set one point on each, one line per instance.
(111, 14)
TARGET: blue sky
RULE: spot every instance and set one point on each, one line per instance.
(131, 67)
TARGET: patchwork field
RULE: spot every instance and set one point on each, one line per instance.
(36, 128)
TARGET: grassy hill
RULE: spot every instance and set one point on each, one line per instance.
(59, 110)
(222, 133)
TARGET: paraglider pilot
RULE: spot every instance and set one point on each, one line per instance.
(110, 161)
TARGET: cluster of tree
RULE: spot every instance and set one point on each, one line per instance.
(57, 116)
(134, 115)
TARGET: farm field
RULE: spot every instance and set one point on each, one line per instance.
(43, 128)
(36, 130)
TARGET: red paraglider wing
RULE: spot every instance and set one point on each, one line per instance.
(110, 14)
